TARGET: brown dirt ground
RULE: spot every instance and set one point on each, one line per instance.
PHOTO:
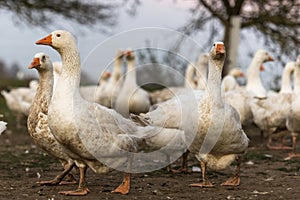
(268, 177)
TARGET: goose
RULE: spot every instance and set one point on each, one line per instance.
(19, 99)
(189, 81)
(229, 81)
(219, 140)
(204, 122)
(270, 114)
(107, 94)
(93, 135)
(56, 72)
(2, 125)
(254, 85)
(101, 89)
(37, 122)
(132, 98)
(241, 97)
(292, 122)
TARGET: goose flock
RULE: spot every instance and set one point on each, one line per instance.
(105, 126)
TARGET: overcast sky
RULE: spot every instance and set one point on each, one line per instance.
(17, 41)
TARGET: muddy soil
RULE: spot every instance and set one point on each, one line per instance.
(264, 175)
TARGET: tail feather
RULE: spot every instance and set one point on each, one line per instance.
(141, 119)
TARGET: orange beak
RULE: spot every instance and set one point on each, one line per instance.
(261, 68)
(242, 74)
(270, 58)
(45, 41)
(220, 48)
(35, 63)
(128, 53)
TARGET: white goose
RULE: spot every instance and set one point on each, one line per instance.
(107, 94)
(220, 138)
(37, 121)
(189, 81)
(2, 125)
(254, 84)
(132, 98)
(270, 114)
(241, 98)
(56, 72)
(293, 118)
(90, 132)
(205, 121)
(19, 99)
(229, 81)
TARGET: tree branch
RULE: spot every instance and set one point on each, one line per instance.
(213, 12)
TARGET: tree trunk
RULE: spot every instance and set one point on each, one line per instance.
(226, 41)
(231, 40)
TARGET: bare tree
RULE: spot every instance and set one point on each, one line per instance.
(276, 21)
(44, 13)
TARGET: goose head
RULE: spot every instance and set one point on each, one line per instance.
(218, 54)
(104, 77)
(263, 56)
(41, 62)
(129, 55)
(58, 39)
(236, 73)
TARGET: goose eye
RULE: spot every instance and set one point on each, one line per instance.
(43, 59)
(57, 35)
(214, 44)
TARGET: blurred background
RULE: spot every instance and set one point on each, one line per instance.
(270, 24)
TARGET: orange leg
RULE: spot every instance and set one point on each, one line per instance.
(205, 181)
(124, 188)
(82, 187)
(293, 154)
(58, 179)
(278, 147)
(235, 179)
(183, 167)
(69, 180)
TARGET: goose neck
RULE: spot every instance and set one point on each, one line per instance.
(214, 82)
(71, 65)
(131, 71)
(297, 80)
(286, 81)
(117, 70)
(253, 71)
(44, 91)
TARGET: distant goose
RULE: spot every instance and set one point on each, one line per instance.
(132, 98)
(293, 118)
